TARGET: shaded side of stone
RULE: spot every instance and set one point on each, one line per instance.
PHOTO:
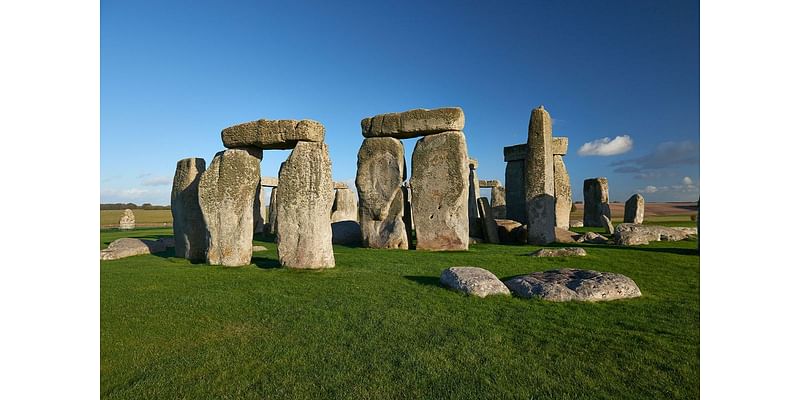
(595, 202)
(487, 219)
(187, 217)
(634, 209)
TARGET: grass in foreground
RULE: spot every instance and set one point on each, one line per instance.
(380, 326)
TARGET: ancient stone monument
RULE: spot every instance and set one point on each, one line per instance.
(259, 212)
(439, 181)
(474, 193)
(490, 234)
(539, 184)
(304, 202)
(187, 217)
(473, 281)
(226, 193)
(273, 210)
(571, 284)
(515, 182)
(272, 183)
(345, 206)
(634, 209)
(380, 175)
(562, 188)
(498, 197)
(595, 202)
(127, 221)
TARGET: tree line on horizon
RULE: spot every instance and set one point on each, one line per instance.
(122, 206)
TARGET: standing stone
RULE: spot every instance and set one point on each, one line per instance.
(226, 193)
(127, 221)
(474, 194)
(345, 207)
(607, 225)
(273, 210)
(499, 202)
(595, 202)
(634, 209)
(515, 182)
(539, 184)
(187, 217)
(440, 192)
(258, 210)
(305, 199)
(380, 175)
(563, 191)
(490, 234)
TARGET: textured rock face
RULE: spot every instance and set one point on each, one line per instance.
(187, 217)
(340, 185)
(127, 247)
(273, 210)
(346, 232)
(563, 252)
(565, 236)
(475, 229)
(413, 123)
(345, 207)
(439, 185)
(473, 281)
(489, 184)
(226, 193)
(259, 212)
(269, 181)
(686, 230)
(595, 202)
(574, 285)
(632, 238)
(273, 134)
(305, 198)
(641, 234)
(487, 219)
(563, 192)
(498, 202)
(515, 182)
(127, 220)
(607, 225)
(559, 147)
(634, 209)
(381, 171)
(575, 223)
(539, 184)
(591, 237)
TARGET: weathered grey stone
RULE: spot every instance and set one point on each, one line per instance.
(563, 192)
(493, 183)
(517, 152)
(515, 191)
(305, 199)
(646, 233)
(591, 237)
(127, 247)
(259, 211)
(381, 172)
(559, 147)
(473, 281)
(273, 210)
(571, 284)
(187, 217)
(439, 185)
(575, 223)
(510, 231)
(565, 236)
(413, 123)
(345, 206)
(539, 184)
(475, 229)
(273, 134)
(269, 181)
(346, 233)
(595, 202)
(487, 219)
(226, 194)
(634, 209)
(686, 230)
(127, 221)
(499, 202)
(340, 185)
(562, 252)
(607, 225)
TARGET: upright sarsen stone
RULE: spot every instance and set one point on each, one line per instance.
(305, 198)
(259, 217)
(380, 175)
(515, 182)
(187, 217)
(273, 210)
(595, 202)
(499, 202)
(563, 192)
(127, 220)
(439, 187)
(539, 182)
(634, 209)
(474, 193)
(226, 193)
(344, 206)
(490, 234)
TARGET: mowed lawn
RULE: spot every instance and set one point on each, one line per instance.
(379, 326)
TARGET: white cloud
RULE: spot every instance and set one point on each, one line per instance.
(649, 189)
(607, 147)
(687, 181)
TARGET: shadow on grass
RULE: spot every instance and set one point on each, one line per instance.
(265, 262)
(423, 280)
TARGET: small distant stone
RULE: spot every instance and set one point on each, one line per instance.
(563, 252)
(575, 224)
(259, 248)
(473, 281)
(128, 220)
(592, 237)
(572, 284)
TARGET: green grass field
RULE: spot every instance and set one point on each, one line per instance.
(380, 326)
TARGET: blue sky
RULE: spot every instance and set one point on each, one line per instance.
(174, 74)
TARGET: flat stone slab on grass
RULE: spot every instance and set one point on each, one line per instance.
(473, 281)
(641, 234)
(592, 237)
(268, 134)
(128, 247)
(572, 284)
(413, 123)
(563, 252)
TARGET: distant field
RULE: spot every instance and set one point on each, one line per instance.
(144, 218)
